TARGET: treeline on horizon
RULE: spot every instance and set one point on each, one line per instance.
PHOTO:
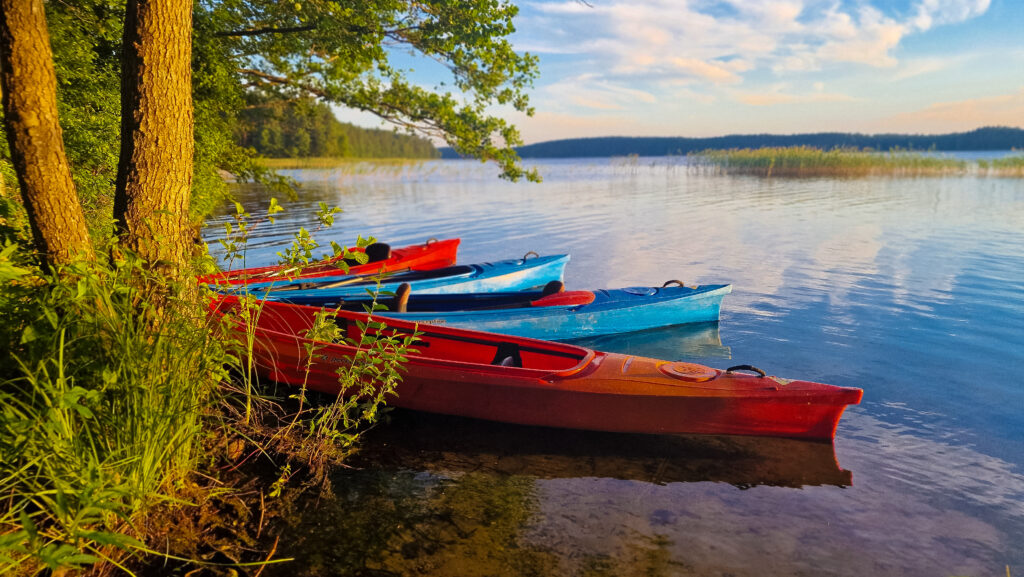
(990, 138)
(306, 128)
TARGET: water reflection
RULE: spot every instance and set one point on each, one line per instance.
(453, 496)
(443, 445)
(693, 341)
(909, 288)
(408, 523)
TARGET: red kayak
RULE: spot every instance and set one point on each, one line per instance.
(430, 255)
(534, 382)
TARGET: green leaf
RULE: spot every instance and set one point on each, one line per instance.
(274, 208)
(28, 525)
(110, 538)
(28, 334)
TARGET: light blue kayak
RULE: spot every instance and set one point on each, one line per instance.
(557, 316)
(505, 275)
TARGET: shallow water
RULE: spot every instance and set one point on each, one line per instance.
(912, 289)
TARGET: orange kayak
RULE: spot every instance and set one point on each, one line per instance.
(533, 382)
(430, 255)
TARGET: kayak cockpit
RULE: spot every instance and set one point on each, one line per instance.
(435, 342)
(370, 280)
(476, 348)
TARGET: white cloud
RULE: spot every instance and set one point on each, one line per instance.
(779, 96)
(921, 66)
(714, 72)
(713, 66)
(590, 91)
(868, 40)
(548, 125)
(665, 39)
(939, 12)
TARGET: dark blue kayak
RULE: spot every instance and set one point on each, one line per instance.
(505, 275)
(555, 316)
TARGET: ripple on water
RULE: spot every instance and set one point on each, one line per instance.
(908, 288)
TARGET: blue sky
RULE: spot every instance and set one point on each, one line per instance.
(709, 67)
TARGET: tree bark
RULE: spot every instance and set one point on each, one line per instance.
(33, 132)
(154, 176)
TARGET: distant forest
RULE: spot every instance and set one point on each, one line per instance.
(992, 138)
(307, 128)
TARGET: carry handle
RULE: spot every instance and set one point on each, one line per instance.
(750, 368)
(673, 281)
(528, 254)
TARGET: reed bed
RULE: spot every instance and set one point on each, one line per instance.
(805, 161)
(1006, 166)
(355, 164)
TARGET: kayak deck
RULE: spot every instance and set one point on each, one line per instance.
(536, 314)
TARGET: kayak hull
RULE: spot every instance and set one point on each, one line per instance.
(430, 255)
(506, 275)
(457, 372)
(610, 311)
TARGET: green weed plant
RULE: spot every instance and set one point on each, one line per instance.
(120, 390)
(102, 408)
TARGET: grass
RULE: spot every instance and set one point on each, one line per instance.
(124, 410)
(815, 162)
(102, 408)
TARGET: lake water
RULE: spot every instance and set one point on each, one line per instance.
(910, 288)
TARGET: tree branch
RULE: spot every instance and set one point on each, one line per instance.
(386, 111)
(271, 104)
(261, 31)
(284, 80)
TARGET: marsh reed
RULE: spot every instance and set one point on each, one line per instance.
(1006, 166)
(805, 161)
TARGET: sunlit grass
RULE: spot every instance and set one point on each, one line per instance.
(122, 400)
(808, 161)
(102, 408)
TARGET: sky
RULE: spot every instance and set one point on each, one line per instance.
(701, 68)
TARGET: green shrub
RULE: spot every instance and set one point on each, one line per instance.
(117, 385)
(102, 406)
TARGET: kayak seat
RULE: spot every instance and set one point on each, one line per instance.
(377, 252)
(553, 287)
(401, 303)
(507, 355)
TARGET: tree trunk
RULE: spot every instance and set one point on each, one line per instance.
(33, 132)
(154, 173)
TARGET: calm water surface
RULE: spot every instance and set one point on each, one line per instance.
(912, 289)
